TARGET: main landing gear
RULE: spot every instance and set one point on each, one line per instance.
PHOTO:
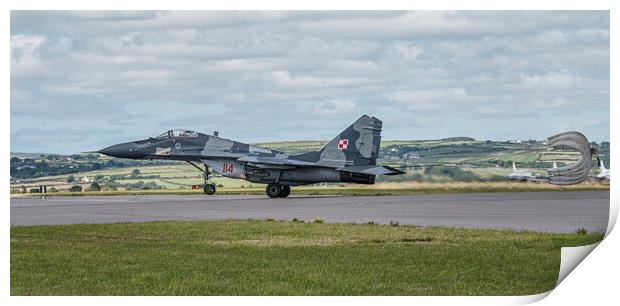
(278, 191)
(208, 188)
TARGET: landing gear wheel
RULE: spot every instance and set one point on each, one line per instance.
(273, 190)
(209, 189)
(286, 190)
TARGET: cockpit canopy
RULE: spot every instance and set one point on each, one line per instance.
(177, 133)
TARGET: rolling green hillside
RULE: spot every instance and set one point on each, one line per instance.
(467, 160)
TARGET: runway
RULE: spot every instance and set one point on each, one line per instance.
(535, 211)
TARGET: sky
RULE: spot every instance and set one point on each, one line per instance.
(83, 80)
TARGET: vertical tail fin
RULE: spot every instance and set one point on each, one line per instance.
(357, 145)
(602, 166)
(514, 167)
(555, 166)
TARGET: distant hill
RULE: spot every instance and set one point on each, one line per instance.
(27, 155)
(465, 151)
(295, 147)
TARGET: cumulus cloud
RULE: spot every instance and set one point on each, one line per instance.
(25, 54)
(407, 51)
(284, 79)
(556, 80)
(332, 107)
(432, 99)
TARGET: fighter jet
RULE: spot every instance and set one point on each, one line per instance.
(605, 174)
(520, 175)
(526, 176)
(350, 157)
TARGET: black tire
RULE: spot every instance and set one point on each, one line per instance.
(286, 190)
(273, 190)
(209, 189)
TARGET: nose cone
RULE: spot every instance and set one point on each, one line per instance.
(123, 150)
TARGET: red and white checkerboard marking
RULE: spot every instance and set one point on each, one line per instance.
(343, 144)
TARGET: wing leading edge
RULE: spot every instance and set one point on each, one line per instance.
(372, 169)
(280, 163)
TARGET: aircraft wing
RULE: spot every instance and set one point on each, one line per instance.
(284, 163)
(372, 169)
(273, 163)
(218, 154)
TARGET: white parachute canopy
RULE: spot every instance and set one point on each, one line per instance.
(574, 173)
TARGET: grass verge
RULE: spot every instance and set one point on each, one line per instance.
(282, 258)
(357, 190)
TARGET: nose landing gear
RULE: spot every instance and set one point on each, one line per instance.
(209, 188)
(277, 191)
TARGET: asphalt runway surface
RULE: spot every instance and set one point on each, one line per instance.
(535, 211)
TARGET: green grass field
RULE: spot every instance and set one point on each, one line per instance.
(519, 157)
(282, 258)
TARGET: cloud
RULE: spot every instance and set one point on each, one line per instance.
(407, 51)
(451, 24)
(284, 79)
(143, 70)
(432, 99)
(332, 107)
(25, 54)
(550, 81)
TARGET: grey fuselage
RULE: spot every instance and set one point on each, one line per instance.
(237, 160)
